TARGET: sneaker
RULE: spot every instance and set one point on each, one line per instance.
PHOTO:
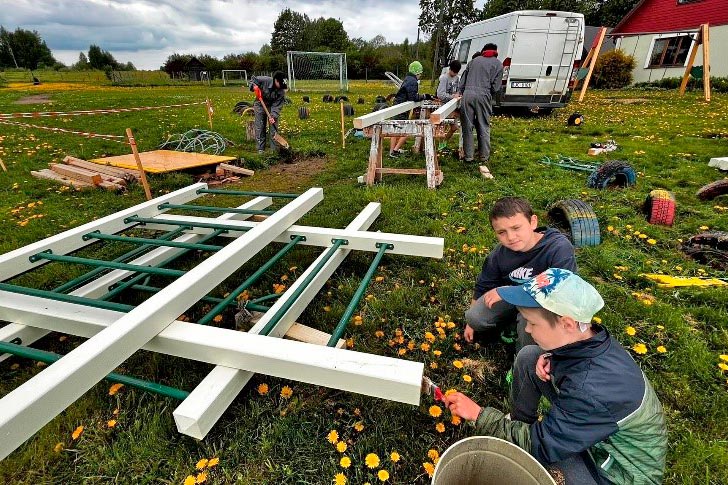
(442, 145)
(260, 152)
(395, 154)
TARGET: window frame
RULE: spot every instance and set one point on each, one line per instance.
(671, 35)
(463, 43)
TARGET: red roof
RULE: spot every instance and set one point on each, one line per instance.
(672, 15)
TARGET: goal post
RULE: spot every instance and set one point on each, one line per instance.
(317, 71)
(234, 76)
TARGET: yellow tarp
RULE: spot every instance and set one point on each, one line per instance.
(160, 161)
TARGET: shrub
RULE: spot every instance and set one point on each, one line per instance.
(717, 84)
(613, 70)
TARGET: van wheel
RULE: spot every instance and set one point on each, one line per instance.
(615, 173)
(710, 247)
(713, 190)
(660, 208)
(578, 220)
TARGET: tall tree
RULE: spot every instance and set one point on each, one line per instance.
(289, 32)
(326, 35)
(82, 62)
(24, 48)
(101, 59)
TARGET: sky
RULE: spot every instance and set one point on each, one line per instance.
(147, 32)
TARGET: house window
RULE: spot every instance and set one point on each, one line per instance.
(670, 51)
(683, 2)
(463, 51)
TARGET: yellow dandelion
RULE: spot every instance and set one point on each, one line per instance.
(458, 364)
(357, 320)
(435, 411)
(610, 228)
(115, 388)
(631, 331)
(597, 320)
(437, 353)
(359, 427)
(345, 462)
(433, 365)
(722, 366)
(394, 456)
(646, 302)
(341, 446)
(340, 479)
(432, 454)
(704, 228)
(201, 477)
(651, 242)
(661, 349)
(401, 352)
(333, 437)
(440, 427)
(383, 475)
(640, 348)
(379, 334)
(58, 448)
(430, 337)
(425, 347)
(213, 462)
(111, 423)
(379, 279)
(77, 433)
(429, 468)
(217, 319)
(190, 480)
(371, 460)
(286, 392)
(467, 378)
(263, 389)
(202, 464)
(456, 346)
(723, 357)
(455, 421)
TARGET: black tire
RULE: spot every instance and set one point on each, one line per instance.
(710, 247)
(339, 99)
(660, 208)
(287, 100)
(306, 99)
(391, 97)
(576, 119)
(713, 190)
(303, 113)
(380, 99)
(348, 110)
(360, 101)
(614, 173)
(578, 220)
(240, 106)
(327, 98)
(379, 106)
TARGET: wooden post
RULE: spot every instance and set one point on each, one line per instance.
(375, 154)
(208, 103)
(138, 159)
(424, 114)
(705, 33)
(343, 136)
(429, 142)
(597, 48)
(691, 61)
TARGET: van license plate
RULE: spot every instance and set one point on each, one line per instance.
(517, 84)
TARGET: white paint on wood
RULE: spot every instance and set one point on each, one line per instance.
(383, 114)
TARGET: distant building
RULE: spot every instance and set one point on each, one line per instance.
(660, 33)
(195, 69)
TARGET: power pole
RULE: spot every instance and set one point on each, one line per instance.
(417, 46)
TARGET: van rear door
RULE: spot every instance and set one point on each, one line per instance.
(558, 60)
(529, 45)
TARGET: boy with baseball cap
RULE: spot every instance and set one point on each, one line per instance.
(605, 423)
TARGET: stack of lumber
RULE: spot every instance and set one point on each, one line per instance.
(82, 174)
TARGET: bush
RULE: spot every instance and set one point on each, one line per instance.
(613, 70)
(717, 84)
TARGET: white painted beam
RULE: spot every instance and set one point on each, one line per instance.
(210, 399)
(383, 114)
(444, 111)
(33, 404)
(405, 244)
(17, 262)
(100, 286)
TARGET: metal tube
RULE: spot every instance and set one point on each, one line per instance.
(207, 208)
(208, 225)
(220, 307)
(151, 242)
(272, 296)
(244, 192)
(76, 282)
(341, 327)
(50, 357)
(107, 305)
(208, 299)
(282, 311)
(106, 264)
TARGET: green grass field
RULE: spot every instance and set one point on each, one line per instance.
(274, 439)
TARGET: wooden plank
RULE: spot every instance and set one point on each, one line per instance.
(160, 161)
(101, 168)
(77, 173)
(403, 171)
(597, 48)
(706, 60)
(375, 154)
(430, 157)
(439, 115)
(48, 174)
(383, 114)
(140, 167)
(691, 60)
(303, 333)
(234, 169)
(111, 187)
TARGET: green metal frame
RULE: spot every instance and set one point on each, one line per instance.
(150, 242)
(206, 225)
(247, 193)
(80, 300)
(207, 208)
(48, 254)
(207, 299)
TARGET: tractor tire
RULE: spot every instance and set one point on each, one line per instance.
(576, 119)
(379, 106)
(710, 247)
(577, 219)
(327, 98)
(339, 99)
(380, 99)
(360, 101)
(713, 190)
(614, 173)
(660, 208)
(303, 112)
(348, 110)
(306, 99)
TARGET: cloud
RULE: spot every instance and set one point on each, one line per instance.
(145, 32)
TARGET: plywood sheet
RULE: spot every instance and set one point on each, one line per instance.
(160, 161)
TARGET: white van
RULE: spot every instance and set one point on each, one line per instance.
(540, 50)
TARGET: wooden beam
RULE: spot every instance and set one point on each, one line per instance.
(48, 174)
(77, 173)
(691, 60)
(402, 171)
(109, 170)
(383, 114)
(303, 333)
(706, 60)
(444, 111)
(234, 169)
(145, 183)
(597, 48)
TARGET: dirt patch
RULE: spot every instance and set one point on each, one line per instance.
(34, 99)
(629, 100)
(286, 176)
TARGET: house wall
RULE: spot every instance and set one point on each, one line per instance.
(639, 47)
(668, 15)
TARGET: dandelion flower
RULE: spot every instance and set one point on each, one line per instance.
(440, 427)
(341, 446)
(217, 319)
(651, 241)
(371, 460)
(383, 475)
(394, 456)
(379, 279)
(429, 468)
(455, 420)
(425, 347)
(115, 388)
(58, 448)
(202, 464)
(437, 353)
(631, 331)
(401, 352)
(333, 437)
(432, 454)
(379, 334)
(704, 228)
(357, 320)
(661, 349)
(201, 477)
(610, 228)
(359, 427)
(111, 423)
(213, 462)
(190, 480)
(433, 365)
(597, 320)
(458, 364)
(429, 337)
(263, 389)
(77, 433)
(646, 302)
(467, 378)
(724, 357)
(345, 462)
(435, 411)
(722, 366)
(640, 348)
(340, 479)
(286, 392)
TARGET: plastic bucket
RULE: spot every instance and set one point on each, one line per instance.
(484, 460)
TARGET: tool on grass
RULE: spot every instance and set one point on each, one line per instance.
(431, 389)
(276, 136)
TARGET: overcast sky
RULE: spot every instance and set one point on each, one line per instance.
(145, 32)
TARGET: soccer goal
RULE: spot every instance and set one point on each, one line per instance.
(317, 71)
(234, 76)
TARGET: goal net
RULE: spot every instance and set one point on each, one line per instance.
(234, 76)
(317, 71)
